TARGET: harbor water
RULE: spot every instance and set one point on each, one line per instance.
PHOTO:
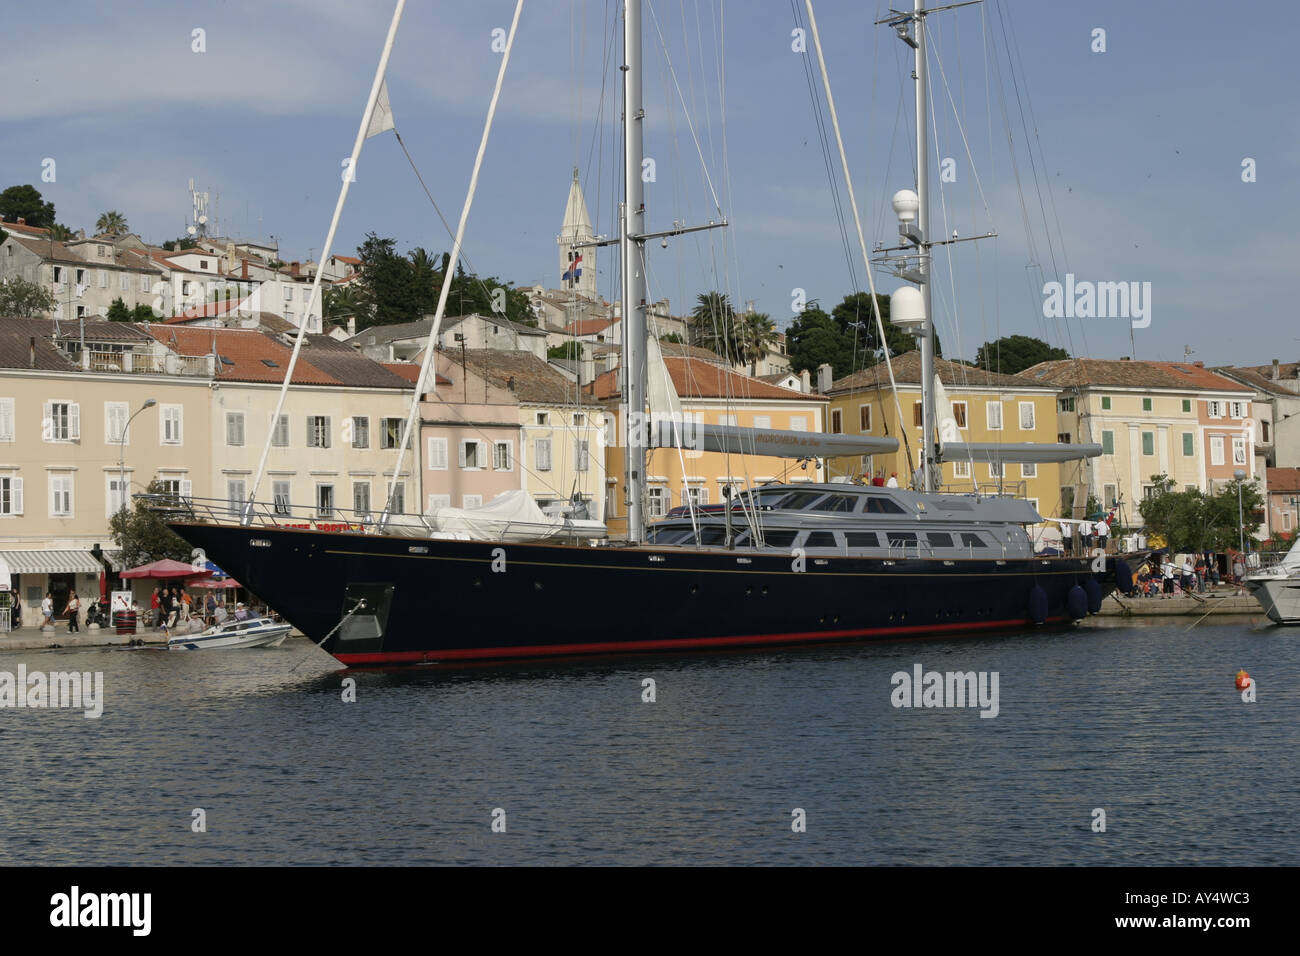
(793, 757)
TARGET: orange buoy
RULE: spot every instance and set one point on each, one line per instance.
(1243, 680)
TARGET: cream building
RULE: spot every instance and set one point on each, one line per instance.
(67, 459)
(709, 394)
(987, 406)
(335, 442)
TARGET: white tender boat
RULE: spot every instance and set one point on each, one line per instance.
(251, 632)
(1278, 588)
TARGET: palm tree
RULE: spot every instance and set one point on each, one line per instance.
(713, 321)
(343, 302)
(754, 332)
(111, 223)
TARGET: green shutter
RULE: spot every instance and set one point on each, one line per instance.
(1105, 403)
(1146, 404)
(1189, 443)
(1187, 404)
(1108, 443)
(1148, 443)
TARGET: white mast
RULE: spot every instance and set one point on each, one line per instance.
(314, 299)
(928, 456)
(634, 284)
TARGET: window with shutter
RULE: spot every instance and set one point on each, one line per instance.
(542, 454)
(234, 428)
(6, 419)
(438, 454)
(501, 456)
(280, 437)
(994, 412)
(581, 456)
(280, 497)
(1027, 416)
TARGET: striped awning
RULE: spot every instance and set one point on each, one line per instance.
(114, 559)
(51, 562)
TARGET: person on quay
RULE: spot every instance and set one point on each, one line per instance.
(47, 610)
(1101, 530)
(73, 610)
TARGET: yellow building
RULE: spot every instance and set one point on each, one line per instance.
(714, 395)
(987, 407)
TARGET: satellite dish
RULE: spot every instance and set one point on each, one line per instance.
(203, 220)
(190, 230)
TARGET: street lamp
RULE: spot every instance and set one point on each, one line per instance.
(121, 449)
(1241, 521)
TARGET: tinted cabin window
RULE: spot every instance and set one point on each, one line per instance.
(820, 539)
(972, 541)
(779, 539)
(901, 539)
(862, 539)
(883, 506)
(799, 500)
(742, 540)
(939, 540)
(838, 503)
(713, 535)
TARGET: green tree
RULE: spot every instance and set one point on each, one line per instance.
(814, 338)
(183, 242)
(1195, 521)
(1015, 353)
(713, 325)
(143, 537)
(118, 312)
(570, 351)
(755, 333)
(142, 313)
(388, 291)
(111, 223)
(26, 202)
(60, 232)
(674, 337)
(343, 302)
(25, 300)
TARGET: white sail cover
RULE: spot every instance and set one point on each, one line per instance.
(948, 432)
(1292, 560)
(1027, 452)
(510, 516)
(775, 442)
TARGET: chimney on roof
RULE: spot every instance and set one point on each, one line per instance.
(294, 267)
(805, 381)
(824, 378)
(1199, 364)
(1277, 371)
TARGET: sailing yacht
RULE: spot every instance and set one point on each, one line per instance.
(781, 564)
(1278, 588)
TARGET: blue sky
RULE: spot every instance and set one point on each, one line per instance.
(1137, 150)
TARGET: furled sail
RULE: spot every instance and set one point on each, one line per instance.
(1027, 452)
(774, 442)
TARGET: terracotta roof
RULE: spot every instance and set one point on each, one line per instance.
(678, 350)
(532, 380)
(1200, 376)
(14, 229)
(776, 377)
(51, 250)
(207, 311)
(351, 260)
(907, 370)
(1283, 480)
(245, 349)
(588, 326)
(346, 365)
(1285, 370)
(16, 346)
(410, 371)
(696, 379)
(1121, 373)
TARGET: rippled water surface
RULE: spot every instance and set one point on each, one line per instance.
(1141, 721)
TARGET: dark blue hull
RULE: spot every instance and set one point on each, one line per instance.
(417, 601)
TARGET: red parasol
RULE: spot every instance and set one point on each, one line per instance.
(166, 569)
(212, 584)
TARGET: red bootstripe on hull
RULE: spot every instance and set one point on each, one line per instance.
(681, 643)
